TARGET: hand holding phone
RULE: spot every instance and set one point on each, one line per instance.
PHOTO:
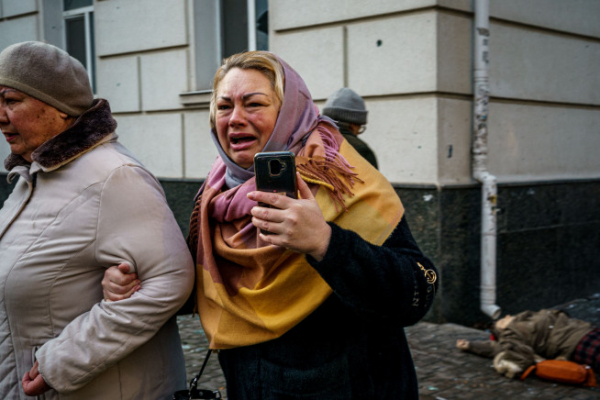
(276, 173)
(299, 224)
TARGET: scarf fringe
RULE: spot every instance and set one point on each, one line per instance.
(331, 171)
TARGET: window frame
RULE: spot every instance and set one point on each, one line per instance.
(86, 12)
(208, 46)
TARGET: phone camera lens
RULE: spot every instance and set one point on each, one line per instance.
(275, 167)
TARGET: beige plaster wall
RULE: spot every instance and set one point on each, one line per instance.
(410, 59)
(412, 62)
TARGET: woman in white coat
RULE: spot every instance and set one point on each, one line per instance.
(82, 203)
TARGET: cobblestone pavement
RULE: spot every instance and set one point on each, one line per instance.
(195, 346)
(444, 372)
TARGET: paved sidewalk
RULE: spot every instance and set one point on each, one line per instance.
(444, 372)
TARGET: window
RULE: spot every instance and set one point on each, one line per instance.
(79, 34)
(240, 27)
(261, 16)
(226, 27)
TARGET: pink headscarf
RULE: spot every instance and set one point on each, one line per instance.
(298, 118)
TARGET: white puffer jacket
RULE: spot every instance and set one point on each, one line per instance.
(84, 205)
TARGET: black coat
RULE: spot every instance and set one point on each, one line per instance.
(361, 147)
(353, 346)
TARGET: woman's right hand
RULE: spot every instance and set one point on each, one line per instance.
(296, 224)
(119, 283)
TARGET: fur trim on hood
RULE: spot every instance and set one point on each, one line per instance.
(88, 130)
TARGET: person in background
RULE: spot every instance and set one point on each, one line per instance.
(348, 109)
(531, 336)
(316, 309)
(82, 203)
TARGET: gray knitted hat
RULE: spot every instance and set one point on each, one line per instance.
(47, 73)
(345, 105)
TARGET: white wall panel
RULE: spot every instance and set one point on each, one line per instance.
(454, 141)
(164, 78)
(533, 65)
(576, 16)
(200, 151)
(403, 135)
(461, 5)
(543, 142)
(286, 14)
(393, 55)
(124, 26)
(11, 8)
(454, 49)
(118, 82)
(317, 55)
(156, 140)
(18, 30)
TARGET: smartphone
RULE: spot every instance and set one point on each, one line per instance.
(276, 173)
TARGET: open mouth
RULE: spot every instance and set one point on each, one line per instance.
(241, 139)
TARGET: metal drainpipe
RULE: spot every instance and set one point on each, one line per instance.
(479, 161)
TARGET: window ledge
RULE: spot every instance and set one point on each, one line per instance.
(199, 98)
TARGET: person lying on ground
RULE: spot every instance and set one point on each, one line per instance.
(529, 337)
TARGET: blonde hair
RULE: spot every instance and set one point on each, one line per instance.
(262, 61)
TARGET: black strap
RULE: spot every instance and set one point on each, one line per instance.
(194, 382)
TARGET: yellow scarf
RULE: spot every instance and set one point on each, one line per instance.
(249, 293)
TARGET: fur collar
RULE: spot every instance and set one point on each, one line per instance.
(90, 128)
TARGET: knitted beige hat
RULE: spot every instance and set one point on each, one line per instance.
(47, 73)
